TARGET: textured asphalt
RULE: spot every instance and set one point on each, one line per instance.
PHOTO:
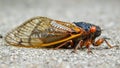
(105, 13)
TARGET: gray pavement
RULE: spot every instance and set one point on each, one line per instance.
(105, 13)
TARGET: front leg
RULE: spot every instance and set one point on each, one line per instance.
(100, 41)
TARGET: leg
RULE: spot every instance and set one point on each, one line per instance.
(70, 41)
(89, 50)
(88, 43)
(80, 44)
(100, 41)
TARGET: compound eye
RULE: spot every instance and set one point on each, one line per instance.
(92, 29)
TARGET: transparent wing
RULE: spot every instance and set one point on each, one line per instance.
(39, 31)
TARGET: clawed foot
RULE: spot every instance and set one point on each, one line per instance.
(55, 48)
(90, 52)
(74, 51)
(114, 47)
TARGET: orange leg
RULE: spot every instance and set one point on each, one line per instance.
(70, 41)
(100, 41)
(88, 43)
(81, 43)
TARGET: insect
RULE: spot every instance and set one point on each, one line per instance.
(45, 32)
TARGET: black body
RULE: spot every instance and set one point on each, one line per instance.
(86, 27)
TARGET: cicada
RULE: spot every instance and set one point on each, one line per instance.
(44, 32)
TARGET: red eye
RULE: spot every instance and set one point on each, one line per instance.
(93, 29)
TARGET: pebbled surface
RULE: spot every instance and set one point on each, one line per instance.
(105, 13)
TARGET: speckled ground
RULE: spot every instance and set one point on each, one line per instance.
(105, 13)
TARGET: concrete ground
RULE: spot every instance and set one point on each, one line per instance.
(105, 13)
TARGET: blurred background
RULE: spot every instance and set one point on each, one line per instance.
(105, 13)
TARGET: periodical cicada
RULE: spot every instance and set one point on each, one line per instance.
(46, 32)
